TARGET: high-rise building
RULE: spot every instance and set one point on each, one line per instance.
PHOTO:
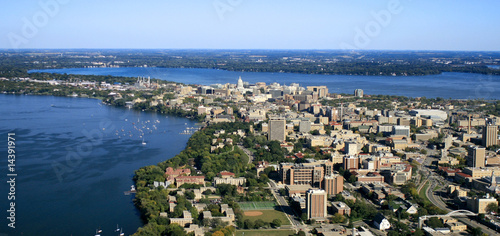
(478, 204)
(333, 184)
(403, 121)
(490, 135)
(333, 114)
(401, 130)
(476, 157)
(351, 148)
(305, 126)
(322, 91)
(277, 128)
(316, 204)
(358, 93)
(351, 162)
(305, 173)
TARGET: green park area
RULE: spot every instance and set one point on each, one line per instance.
(266, 216)
(269, 232)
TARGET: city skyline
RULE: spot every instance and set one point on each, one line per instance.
(223, 24)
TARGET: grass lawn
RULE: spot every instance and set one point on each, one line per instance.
(247, 206)
(268, 216)
(272, 232)
(423, 190)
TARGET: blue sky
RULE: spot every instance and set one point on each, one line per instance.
(252, 24)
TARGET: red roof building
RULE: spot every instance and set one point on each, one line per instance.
(226, 174)
(189, 180)
(172, 173)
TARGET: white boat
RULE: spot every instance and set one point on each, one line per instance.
(121, 233)
(143, 143)
(117, 228)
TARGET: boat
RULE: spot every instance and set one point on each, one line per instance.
(121, 232)
(117, 228)
(132, 190)
(143, 143)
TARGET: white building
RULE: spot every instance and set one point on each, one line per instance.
(381, 223)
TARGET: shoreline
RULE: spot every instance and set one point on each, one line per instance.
(136, 207)
(243, 71)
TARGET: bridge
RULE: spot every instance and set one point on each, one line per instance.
(452, 213)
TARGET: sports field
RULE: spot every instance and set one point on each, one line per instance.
(271, 232)
(265, 215)
(256, 205)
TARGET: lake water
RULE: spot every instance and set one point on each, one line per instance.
(445, 85)
(75, 158)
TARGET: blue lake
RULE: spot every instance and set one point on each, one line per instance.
(445, 85)
(75, 158)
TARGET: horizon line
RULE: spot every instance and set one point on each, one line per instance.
(256, 49)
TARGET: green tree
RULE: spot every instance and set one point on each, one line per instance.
(435, 222)
(476, 231)
(259, 223)
(249, 224)
(338, 218)
(276, 223)
(175, 230)
(491, 207)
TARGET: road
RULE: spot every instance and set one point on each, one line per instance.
(250, 155)
(296, 224)
(437, 201)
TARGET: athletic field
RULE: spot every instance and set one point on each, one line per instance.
(270, 232)
(245, 206)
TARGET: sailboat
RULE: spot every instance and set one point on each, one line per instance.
(121, 233)
(117, 228)
(143, 143)
(98, 232)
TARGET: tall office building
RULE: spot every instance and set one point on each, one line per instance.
(305, 126)
(322, 91)
(277, 128)
(316, 204)
(401, 130)
(358, 93)
(351, 162)
(334, 114)
(333, 184)
(490, 135)
(476, 157)
(351, 148)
